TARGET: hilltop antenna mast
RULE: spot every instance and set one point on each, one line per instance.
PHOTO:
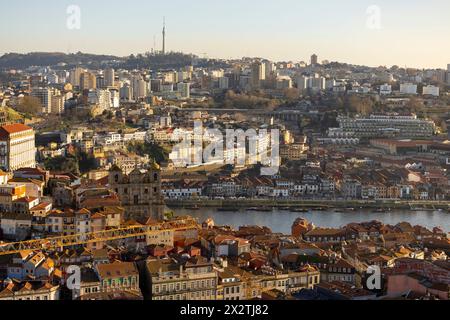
(164, 36)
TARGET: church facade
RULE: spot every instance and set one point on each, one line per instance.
(139, 192)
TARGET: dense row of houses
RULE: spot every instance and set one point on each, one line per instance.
(370, 184)
(248, 187)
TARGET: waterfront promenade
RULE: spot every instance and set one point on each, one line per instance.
(299, 203)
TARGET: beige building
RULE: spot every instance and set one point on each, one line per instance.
(293, 152)
(159, 236)
(193, 279)
(57, 104)
(238, 284)
(17, 147)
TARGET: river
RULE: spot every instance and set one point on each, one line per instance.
(281, 221)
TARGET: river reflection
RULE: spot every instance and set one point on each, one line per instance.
(281, 221)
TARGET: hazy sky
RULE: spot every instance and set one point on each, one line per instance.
(413, 33)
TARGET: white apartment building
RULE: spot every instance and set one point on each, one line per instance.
(431, 91)
(139, 86)
(376, 126)
(115, 98)
(17, 147)
(385, 89)
(314, 82)
(99, 97)
(408, 88)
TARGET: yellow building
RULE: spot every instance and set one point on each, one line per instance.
(10, 193)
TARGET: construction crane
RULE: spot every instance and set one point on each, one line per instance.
(53, 243)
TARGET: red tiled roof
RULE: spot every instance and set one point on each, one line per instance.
(13, 128)
(41, 206)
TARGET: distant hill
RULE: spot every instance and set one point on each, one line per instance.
(23, 61)
(170, 60)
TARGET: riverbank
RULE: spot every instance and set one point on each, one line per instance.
(310, 204)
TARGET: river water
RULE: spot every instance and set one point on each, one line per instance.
(281, 221)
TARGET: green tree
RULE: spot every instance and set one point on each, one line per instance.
(154, 151)
(63, 164)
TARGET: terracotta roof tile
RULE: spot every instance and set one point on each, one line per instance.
(5, 131)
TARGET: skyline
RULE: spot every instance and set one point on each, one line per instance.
(134, 168)
(412, 33)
